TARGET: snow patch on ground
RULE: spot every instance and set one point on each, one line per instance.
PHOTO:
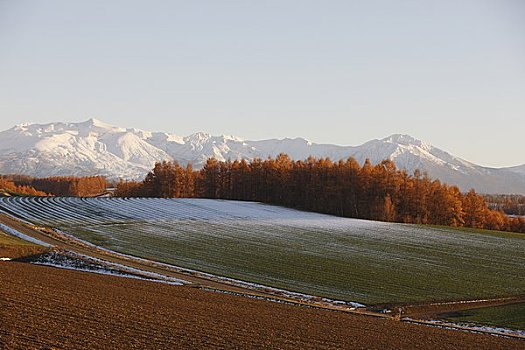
(235, 282)
(20, 235)
(78, 262)
(474, 328)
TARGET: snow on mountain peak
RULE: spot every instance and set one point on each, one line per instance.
(232, 138)
(94, 147)
(21, 126)
(198, 136)
(408, 141)
(96, 125)
(520, 169)
(97, 122)
(402, 139)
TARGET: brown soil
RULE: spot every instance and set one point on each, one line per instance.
(14, 252)
(12, 247)
(47, 235)
(49, 308)
(417, 311)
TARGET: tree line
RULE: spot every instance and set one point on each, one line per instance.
(512, 204)
(344, 188)
(86, 186)
(10, 188)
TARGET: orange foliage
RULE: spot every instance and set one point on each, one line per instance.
(63, 185)
(344, 188)
(12, 188)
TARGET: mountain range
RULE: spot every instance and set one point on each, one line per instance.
(96, 148)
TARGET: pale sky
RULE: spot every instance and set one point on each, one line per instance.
(449, 72)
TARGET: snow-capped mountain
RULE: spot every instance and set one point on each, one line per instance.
(520, 169)
(96, 148)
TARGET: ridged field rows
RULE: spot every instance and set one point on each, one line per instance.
(348, 259)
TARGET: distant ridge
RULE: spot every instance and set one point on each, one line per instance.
(97, 148)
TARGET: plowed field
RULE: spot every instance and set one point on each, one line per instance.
(48, 308)
(346, 259)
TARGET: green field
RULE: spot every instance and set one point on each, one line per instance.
(354, 260)
(12, 241)
(509, 316)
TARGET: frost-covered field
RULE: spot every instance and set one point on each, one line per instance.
(354, 260)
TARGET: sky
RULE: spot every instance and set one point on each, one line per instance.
(449, 72)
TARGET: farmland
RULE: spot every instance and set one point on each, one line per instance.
(47, 308)
(6, 240)
(347, 259)
(511, 316)
(12, 247)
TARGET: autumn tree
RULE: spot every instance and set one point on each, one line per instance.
(344, 188)
(475, 210)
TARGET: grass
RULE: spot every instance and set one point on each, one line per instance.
(7, 240)
(349, 266)
(13, 247)
(495, 233)
(354, 260)
(509, 316)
